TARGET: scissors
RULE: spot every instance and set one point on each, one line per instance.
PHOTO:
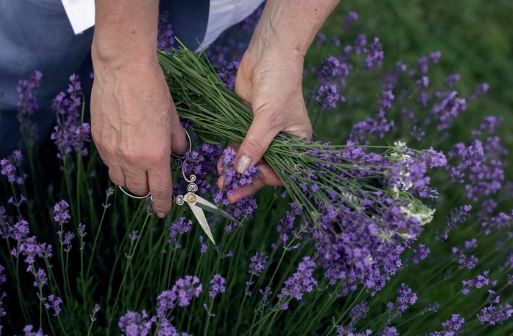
(195, 202)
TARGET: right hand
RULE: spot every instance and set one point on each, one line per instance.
(135, 127)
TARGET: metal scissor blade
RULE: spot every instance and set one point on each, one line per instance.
(200, 216)
(210, 207)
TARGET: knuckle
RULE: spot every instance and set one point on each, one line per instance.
(130, 156)
(137, 188)
(254, 146)
(156, 157)
(269, 117)
(275, 121)
(116, 179)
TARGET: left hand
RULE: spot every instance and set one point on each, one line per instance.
(270, 82)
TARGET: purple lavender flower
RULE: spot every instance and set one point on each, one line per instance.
(477, 282)
(202, 163)
(358, 312)
(28, 330)
(452, 80)
(216, 285)
(54, 304)
(70, 135)
(332, 68)
(165, 328)
(176, 229)
(203, 245)
(454, 324)
(495, 314)
(248, 25)
(10, 167)
(376, 126)
(258, 263)
(406, 297)
(327, 95)
(389, 331)
(448, 109)
(5, 227)
(350, 19)
(61, 212)
(41, 278)
(469, 262)
(480, 90)
(456, 217)
(228, 74)
(65, 239)
(471, 244)
(166, 36)
(81, 230)
(28, 247)
(425, 61)
(186, 289)
(349, 331)
(301, 282)
(166, 301)
(135, 324)
(423, 82)
(27, 105)
(26, 90)
(375, 55)
(233, 180)
(420, 253)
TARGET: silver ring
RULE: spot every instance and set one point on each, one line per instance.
(129, 194)
(188, 150)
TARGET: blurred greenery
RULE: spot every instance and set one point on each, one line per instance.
(474, 37)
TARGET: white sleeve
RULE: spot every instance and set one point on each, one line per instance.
(80, 14)
(224, 14)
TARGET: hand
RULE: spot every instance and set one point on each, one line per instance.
(270, 82)
(134, 126)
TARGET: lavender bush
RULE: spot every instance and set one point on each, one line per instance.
(78, 257)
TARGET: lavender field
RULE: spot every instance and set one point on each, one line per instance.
(395, 220)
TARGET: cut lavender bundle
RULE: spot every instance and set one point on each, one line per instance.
(364, 202)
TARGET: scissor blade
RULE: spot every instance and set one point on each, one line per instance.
(200, 216)
(210, 207)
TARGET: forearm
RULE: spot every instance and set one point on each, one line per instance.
(126, 30)
(291, 24)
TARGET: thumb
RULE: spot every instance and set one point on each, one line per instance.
(259, 137)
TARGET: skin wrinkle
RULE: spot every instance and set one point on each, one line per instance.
(134, 126)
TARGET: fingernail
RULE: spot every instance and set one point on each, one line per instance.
(243, 164)
(161, 215)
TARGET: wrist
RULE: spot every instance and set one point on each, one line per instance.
(113, 55)
(291, 24)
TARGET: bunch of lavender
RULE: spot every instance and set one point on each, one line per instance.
(364, 207)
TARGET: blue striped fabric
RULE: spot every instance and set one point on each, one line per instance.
(36, 35)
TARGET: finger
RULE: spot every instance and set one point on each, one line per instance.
(260, 135)
(220, 182)
(268, 175)
(179, 141)
(117, 176)
(136, 181)
(159, 180)
(246, 190)
(219, 166)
